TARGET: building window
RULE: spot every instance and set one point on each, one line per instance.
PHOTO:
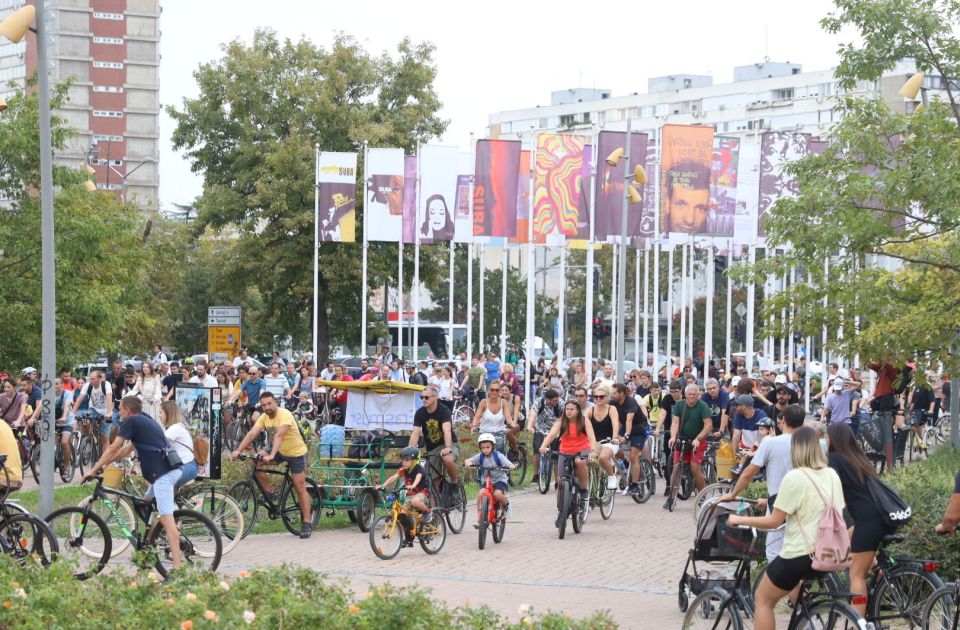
(100, 15)
(112, 65)
(113, 41)
(107, 162)
(586, 117)
(567, 120)
(110, 89)
(782, 95)
(106, 113)
(106, 138)
(101, 186)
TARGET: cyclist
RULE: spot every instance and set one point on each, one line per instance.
(541, 420)
(63, 411)
(12, 402)
(254, 388)
(514, 404)
(635, 429)
(13, 465)
(576, 437)
(493, 415)
(692, 420)
(435, 423)
(718, 401)
(951, 517)
(489, 457)
(606, 426)
(745, 428)
(657, 406)
(582, 398)
(418, 492)
(100, 395)
(287, 446)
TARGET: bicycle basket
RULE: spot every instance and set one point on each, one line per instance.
(113, 476)
(705, 580)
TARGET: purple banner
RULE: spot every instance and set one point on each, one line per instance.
(409, 199)
(723, 186)
(777, 150)
(610, 179)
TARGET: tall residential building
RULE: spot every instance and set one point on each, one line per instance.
(110, 52)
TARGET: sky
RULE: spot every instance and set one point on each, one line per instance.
(498, 55)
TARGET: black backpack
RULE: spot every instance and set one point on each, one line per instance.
(902, 382)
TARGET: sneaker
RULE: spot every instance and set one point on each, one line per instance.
(427, 518)
(305, 531)
(509, 510)
(584, 495)
(536, 478)
(736, 470)
(476, 525)
(408, 542)
(634, 488)
(611, 482)
(668, 505)
(666, 491)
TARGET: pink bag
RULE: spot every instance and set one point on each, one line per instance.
(832, 549)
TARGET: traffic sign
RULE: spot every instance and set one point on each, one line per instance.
(741, 310)
(223, 332)
(223, 316)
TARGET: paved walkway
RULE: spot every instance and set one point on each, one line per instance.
(628, 565)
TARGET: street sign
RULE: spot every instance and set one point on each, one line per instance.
(223, 332)
(741, 310)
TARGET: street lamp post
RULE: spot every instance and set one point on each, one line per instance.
(14, 28)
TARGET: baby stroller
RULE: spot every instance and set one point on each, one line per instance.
(726, 550)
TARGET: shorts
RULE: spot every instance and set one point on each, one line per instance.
(250, 408)
(295, 463)
(501, 486)
(64, 428)
(786, 574)
(694, 457)
(106, 426)
(188, 473)
(613, 447)
(867, 534)
(538, 442)
(433, 457)
(638, 441)
(162, 489)
(426, 499)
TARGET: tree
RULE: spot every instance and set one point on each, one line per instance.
(882, 203)
(251, 134)
(102, 268)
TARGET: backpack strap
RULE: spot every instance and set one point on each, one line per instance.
(806, 541)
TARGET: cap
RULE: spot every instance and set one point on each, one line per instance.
(838, 384)
(781, 378)
(745, 400)
(734, 381)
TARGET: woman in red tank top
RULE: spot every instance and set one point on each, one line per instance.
(576, 436)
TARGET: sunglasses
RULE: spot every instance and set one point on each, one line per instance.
(599, 396)
(427, 397)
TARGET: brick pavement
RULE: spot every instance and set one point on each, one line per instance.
(628, 565)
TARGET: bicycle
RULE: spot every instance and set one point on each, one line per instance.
(450, 499)
(58, 463)
(490, 513)
(941, 610)
(86, 440)
(648, 479)
(29, 447)
(86, 538)
(600, 495)
(547, 463)
(283, 503)
(388, 533)
(519, 457)
(685, 484)
(569, 503)
(24, 537)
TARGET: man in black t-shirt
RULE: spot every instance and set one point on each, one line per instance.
(435, 423)
(544, 415)
(635, 425)
(951, 517)
(169, 383)
(146, 436)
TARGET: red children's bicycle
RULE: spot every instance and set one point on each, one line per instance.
(490, 513)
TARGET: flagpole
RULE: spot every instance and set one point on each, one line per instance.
(473, 152)
(400, 298)
(562, 306)
(591, 232)
(669, 353)
(729, 348)
(363, 264)
(783, 320)
(708, 304)
(480, 341)
(450, 351)
(636, 309)
(528, 359)
(656, 261)
(316, 247)
(614, 292)
(824, 359)
(690, 301)
(503, 303)
(683, 308)
(416, 265)
(751, 297)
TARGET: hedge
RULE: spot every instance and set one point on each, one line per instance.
(286, 597)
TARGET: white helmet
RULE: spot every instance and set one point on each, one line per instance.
(486, 437)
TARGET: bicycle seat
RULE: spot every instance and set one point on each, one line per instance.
(891, 539)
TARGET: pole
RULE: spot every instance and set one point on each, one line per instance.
(562, 312)
(415, 345)
(363, 271)
(656, 263)
(824, 359)
(48, 360)
(450, 349)
(751, 297)
(614, 274)
(588, 324)
(691, 295)
(316, 247)
(528, 359)
(791, 369)
(400, 325)
(480, 339)
(729, 347)
(470, 302)
(621, 304)
(669, 352)
(708, 319)
(503, 305)
(683, 308)
(646, 310)
(783, 322)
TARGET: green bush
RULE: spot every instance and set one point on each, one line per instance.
(286, 597)
(927, 487)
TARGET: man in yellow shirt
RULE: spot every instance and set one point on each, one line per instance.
(13, 465)
(287, 445)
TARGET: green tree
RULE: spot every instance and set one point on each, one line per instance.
(882, 203)
(251, 134)
(101, 267)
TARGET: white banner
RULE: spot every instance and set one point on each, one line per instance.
(439, 167)
(383, 209)
(748, 193)
(368, 410)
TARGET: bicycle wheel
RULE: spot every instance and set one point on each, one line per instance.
(565, 500)
(898, 599)
(685, 488)
(482, 517)
(940, 611)
(456, 512)
(222, 510)
(246, 495)
(87, 453)
(366, 512)
(709, 472)
(119, 538)
(78, 544)
(199, 542)
(462, 416)
(717, 489)
(606, 500)
(500, 526)
(828, 614)
(27, 538)
(290, 506)
(518, 474)
(433, 535)
(35, 461)
(386, 536)
(648, 487)
(707, 610)
(546, 470)
(578, 513)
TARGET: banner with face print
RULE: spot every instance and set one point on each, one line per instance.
(496, 173)
(439, 167)
(685, 168)
(383, 206)
(777, 150)
(337, 197)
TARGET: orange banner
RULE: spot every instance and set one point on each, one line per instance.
(685, 170)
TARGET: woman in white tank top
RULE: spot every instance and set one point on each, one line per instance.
(492, 415)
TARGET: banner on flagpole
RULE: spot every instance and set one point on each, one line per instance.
(608, 208)
(463, 220)
(723, 186)
(409, 199)
(777, 150)
(495, 188)
(439, 166)
(685, 168)
(562, 165)
(383, 209)
(523, 199)
(748, 189)
(337, 197)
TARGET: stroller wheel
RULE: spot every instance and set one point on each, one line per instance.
(682, 599)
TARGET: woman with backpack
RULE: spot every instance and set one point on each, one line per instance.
(854, 469)
(810, 494)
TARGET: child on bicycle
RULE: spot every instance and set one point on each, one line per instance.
(489, 457)
(764, 429)
(415, 481)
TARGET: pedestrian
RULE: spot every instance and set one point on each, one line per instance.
(151, 389)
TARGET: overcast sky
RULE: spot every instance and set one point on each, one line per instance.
(497, 55)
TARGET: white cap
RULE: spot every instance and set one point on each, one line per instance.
(781, 378)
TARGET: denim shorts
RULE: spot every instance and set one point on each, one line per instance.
(162, 489)
(188, 473)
